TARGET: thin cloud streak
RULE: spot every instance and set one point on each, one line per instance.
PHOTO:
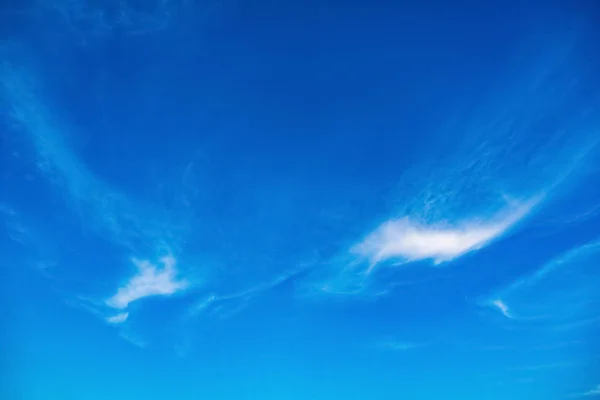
(565, 310)
(127, 222)
(213, 300)
(565, 259)
(592, 392)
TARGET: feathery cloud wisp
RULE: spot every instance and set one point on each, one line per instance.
(119, 318)
(150, 281)
(592, 392)
(560, 292)
(499, 304)
(595, 391)
(407, 240)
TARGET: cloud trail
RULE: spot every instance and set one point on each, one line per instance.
(592, 392)
(126, 222)
(460, 198)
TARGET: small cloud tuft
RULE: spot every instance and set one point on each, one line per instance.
(119, 318)
(150, 281)
(500, 305)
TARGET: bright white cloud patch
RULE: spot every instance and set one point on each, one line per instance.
(119, 318)
(499, 304)
(150, 281)
(407, 240)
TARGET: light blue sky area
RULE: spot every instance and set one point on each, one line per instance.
(299, 200)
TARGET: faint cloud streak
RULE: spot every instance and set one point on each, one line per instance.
(118, 319)
(592, 392)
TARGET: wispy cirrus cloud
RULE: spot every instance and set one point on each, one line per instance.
(407, 240)
(501, 306)
(149, 281)
(555, 265)
(459, 198)
(118, 319)
(140, 227)
(104, 209)
(229, 304)
(404, 240)
(560, 295)
(92, 202)
(592, 392)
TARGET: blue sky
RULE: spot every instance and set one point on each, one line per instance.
(299, 200)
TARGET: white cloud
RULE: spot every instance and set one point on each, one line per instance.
(408, 240)
(150, 281)
(499, 304)
(119, 318)
(592, 392)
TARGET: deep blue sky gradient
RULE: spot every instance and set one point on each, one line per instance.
(362, 200)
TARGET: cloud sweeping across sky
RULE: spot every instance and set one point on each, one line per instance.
(151, 280)
(406, 240)
(462, 197)
(139, 225)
